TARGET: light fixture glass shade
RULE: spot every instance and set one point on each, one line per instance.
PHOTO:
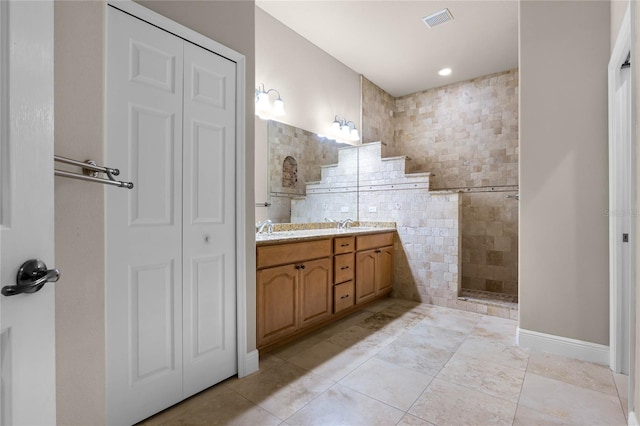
(345, 131)
(262, 103)
(278, 108)
(354, 134)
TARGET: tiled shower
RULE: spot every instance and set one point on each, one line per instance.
(458, 234)
(466, 135)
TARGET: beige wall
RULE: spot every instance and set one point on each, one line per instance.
(79, 214)
(617, 10)
(564, 281)
(79, 110)
(314, 85)
(261, 177)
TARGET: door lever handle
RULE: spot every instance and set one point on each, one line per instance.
(32, 275)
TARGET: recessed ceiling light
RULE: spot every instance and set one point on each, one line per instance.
(444, 72)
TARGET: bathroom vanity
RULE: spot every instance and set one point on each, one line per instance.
(309, 278)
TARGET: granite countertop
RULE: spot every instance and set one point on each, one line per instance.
(301, 232)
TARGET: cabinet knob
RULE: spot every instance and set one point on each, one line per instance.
(344, 245)
(346, 296)
(378, 251)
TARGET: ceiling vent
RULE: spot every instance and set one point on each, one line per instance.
(438, 18)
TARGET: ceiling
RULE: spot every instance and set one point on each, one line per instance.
(388, 43)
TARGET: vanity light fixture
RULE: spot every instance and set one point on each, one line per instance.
(264, 109)
(444, 72)
(342, 131)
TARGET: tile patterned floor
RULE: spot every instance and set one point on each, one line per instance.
(404, 363)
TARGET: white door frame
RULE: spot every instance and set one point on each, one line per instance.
(247, 361)
(621, 208)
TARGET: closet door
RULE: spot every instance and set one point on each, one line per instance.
(143, 225)
(209, 214)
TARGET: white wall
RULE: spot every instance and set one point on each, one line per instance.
(564, 281)
(314, 85)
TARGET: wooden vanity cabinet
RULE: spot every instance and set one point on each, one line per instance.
(295, 295)
(374, 266)
(303, 285)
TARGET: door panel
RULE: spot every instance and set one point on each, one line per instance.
(153, 146)
(27, 321)
(207, 307)
(316, 300)
(385, 269)
(144, 225)
(365, 275)
(152, 331)
(208, 173)
(209, 212)
(277, 293)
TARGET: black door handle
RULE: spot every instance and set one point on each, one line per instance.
(32, 276)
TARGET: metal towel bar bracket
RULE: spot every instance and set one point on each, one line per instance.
(91, 172)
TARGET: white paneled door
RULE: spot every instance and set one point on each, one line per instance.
(27, 321)
(171, 285)
(209, 244)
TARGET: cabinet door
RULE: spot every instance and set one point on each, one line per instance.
(385, 270)
(277, 308)
(365, 275)
(316, 299)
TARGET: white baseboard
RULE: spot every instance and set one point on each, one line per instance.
(564, 346)
(633, 419)
(251, 364)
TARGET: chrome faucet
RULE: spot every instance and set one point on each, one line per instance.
(326, 219)
(345, 224)
(268, 223)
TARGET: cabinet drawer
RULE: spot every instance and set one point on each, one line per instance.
(365, 242)
(344, 245)
(343, 295)
(343, 267)
(280, 254)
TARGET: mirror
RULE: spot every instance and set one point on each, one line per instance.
(297, 160)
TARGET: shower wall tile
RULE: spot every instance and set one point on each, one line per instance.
(466, 134)
(377, 115)
(490, 242)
